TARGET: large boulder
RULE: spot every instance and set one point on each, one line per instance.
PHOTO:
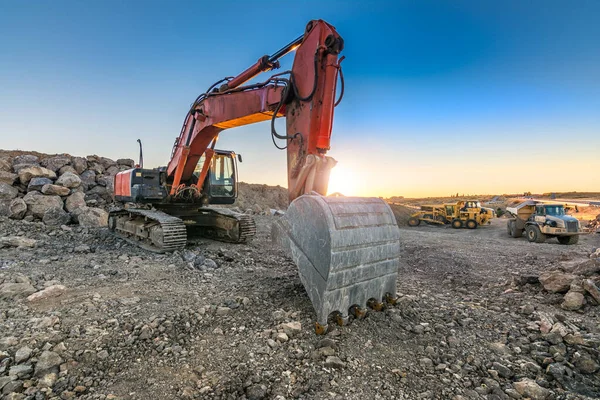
(100, 191)
(27, 173)
(12, 290)
(128, 162)
(38, 184)
(108, 182)
(573, 301)
(50, 291)
(112, 170)
(92, 217)
(38, 203)
(19, 242)
(55, 190)
(88, 178)
(556, 281)
(69, 180)
(107, 162)
(100, 194)
(75, 201)
(97, 167)
(80, 164)
(530, 389)
(8, 192)
(8, 177)
(17, 209)
(5, 165)
(56, 216)
(48, 362)
(55, 163)
(26, 159)
(592, 289)
(67, 168)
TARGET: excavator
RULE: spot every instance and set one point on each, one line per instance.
(346, 248)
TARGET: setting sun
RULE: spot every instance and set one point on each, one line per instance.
(342, 180)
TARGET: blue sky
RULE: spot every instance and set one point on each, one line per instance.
(434, 89)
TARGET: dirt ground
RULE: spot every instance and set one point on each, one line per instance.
(222, 321)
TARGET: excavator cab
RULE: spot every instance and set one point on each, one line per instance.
(220, 185)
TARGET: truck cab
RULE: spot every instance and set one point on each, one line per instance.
(554, 216)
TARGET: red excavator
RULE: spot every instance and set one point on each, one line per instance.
(346, 248)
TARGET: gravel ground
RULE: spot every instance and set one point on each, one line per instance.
(221, 321)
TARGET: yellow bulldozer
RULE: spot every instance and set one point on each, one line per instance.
(462, 214)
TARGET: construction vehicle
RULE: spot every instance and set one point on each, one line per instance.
(462, 214)
(541, 221)
(346, 248)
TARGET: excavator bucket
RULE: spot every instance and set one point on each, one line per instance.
(347, 250)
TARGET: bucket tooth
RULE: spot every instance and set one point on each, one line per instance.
(347, 249)
(375, 305)
(389, 299)
(358, 312)
(321, 329)
(342, 319)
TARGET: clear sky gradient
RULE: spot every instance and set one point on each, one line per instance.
(441, 96)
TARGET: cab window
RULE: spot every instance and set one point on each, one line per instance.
(222, 175)
(539, 210)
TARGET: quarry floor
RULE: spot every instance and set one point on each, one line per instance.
(139, 325)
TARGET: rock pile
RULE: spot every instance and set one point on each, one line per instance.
(402, 212)
(577, 281)
(594, 225)
(58, 189)
(261, 199)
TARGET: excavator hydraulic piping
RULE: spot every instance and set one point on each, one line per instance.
(265, 63)
(286, 49)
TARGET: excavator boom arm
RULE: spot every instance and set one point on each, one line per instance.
(305, 96)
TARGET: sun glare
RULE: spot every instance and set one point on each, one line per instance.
(342, 181)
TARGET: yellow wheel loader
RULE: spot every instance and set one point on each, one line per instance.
(462, 214)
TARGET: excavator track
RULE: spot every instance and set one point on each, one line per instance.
(161, 232)
(247, 228)
(221, 224)
(149, 229)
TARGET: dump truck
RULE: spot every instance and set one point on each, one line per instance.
(541, 221)
(462, 214)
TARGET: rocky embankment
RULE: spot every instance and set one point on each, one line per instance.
(63, 189)
(58, 189)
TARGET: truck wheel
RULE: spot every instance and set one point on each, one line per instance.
(414, 221)
(513, 231)
(471, 224)
(517, 233)
(457, 223)
(509, 227)
(568, 239)
(534, 234)
(441, 218)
